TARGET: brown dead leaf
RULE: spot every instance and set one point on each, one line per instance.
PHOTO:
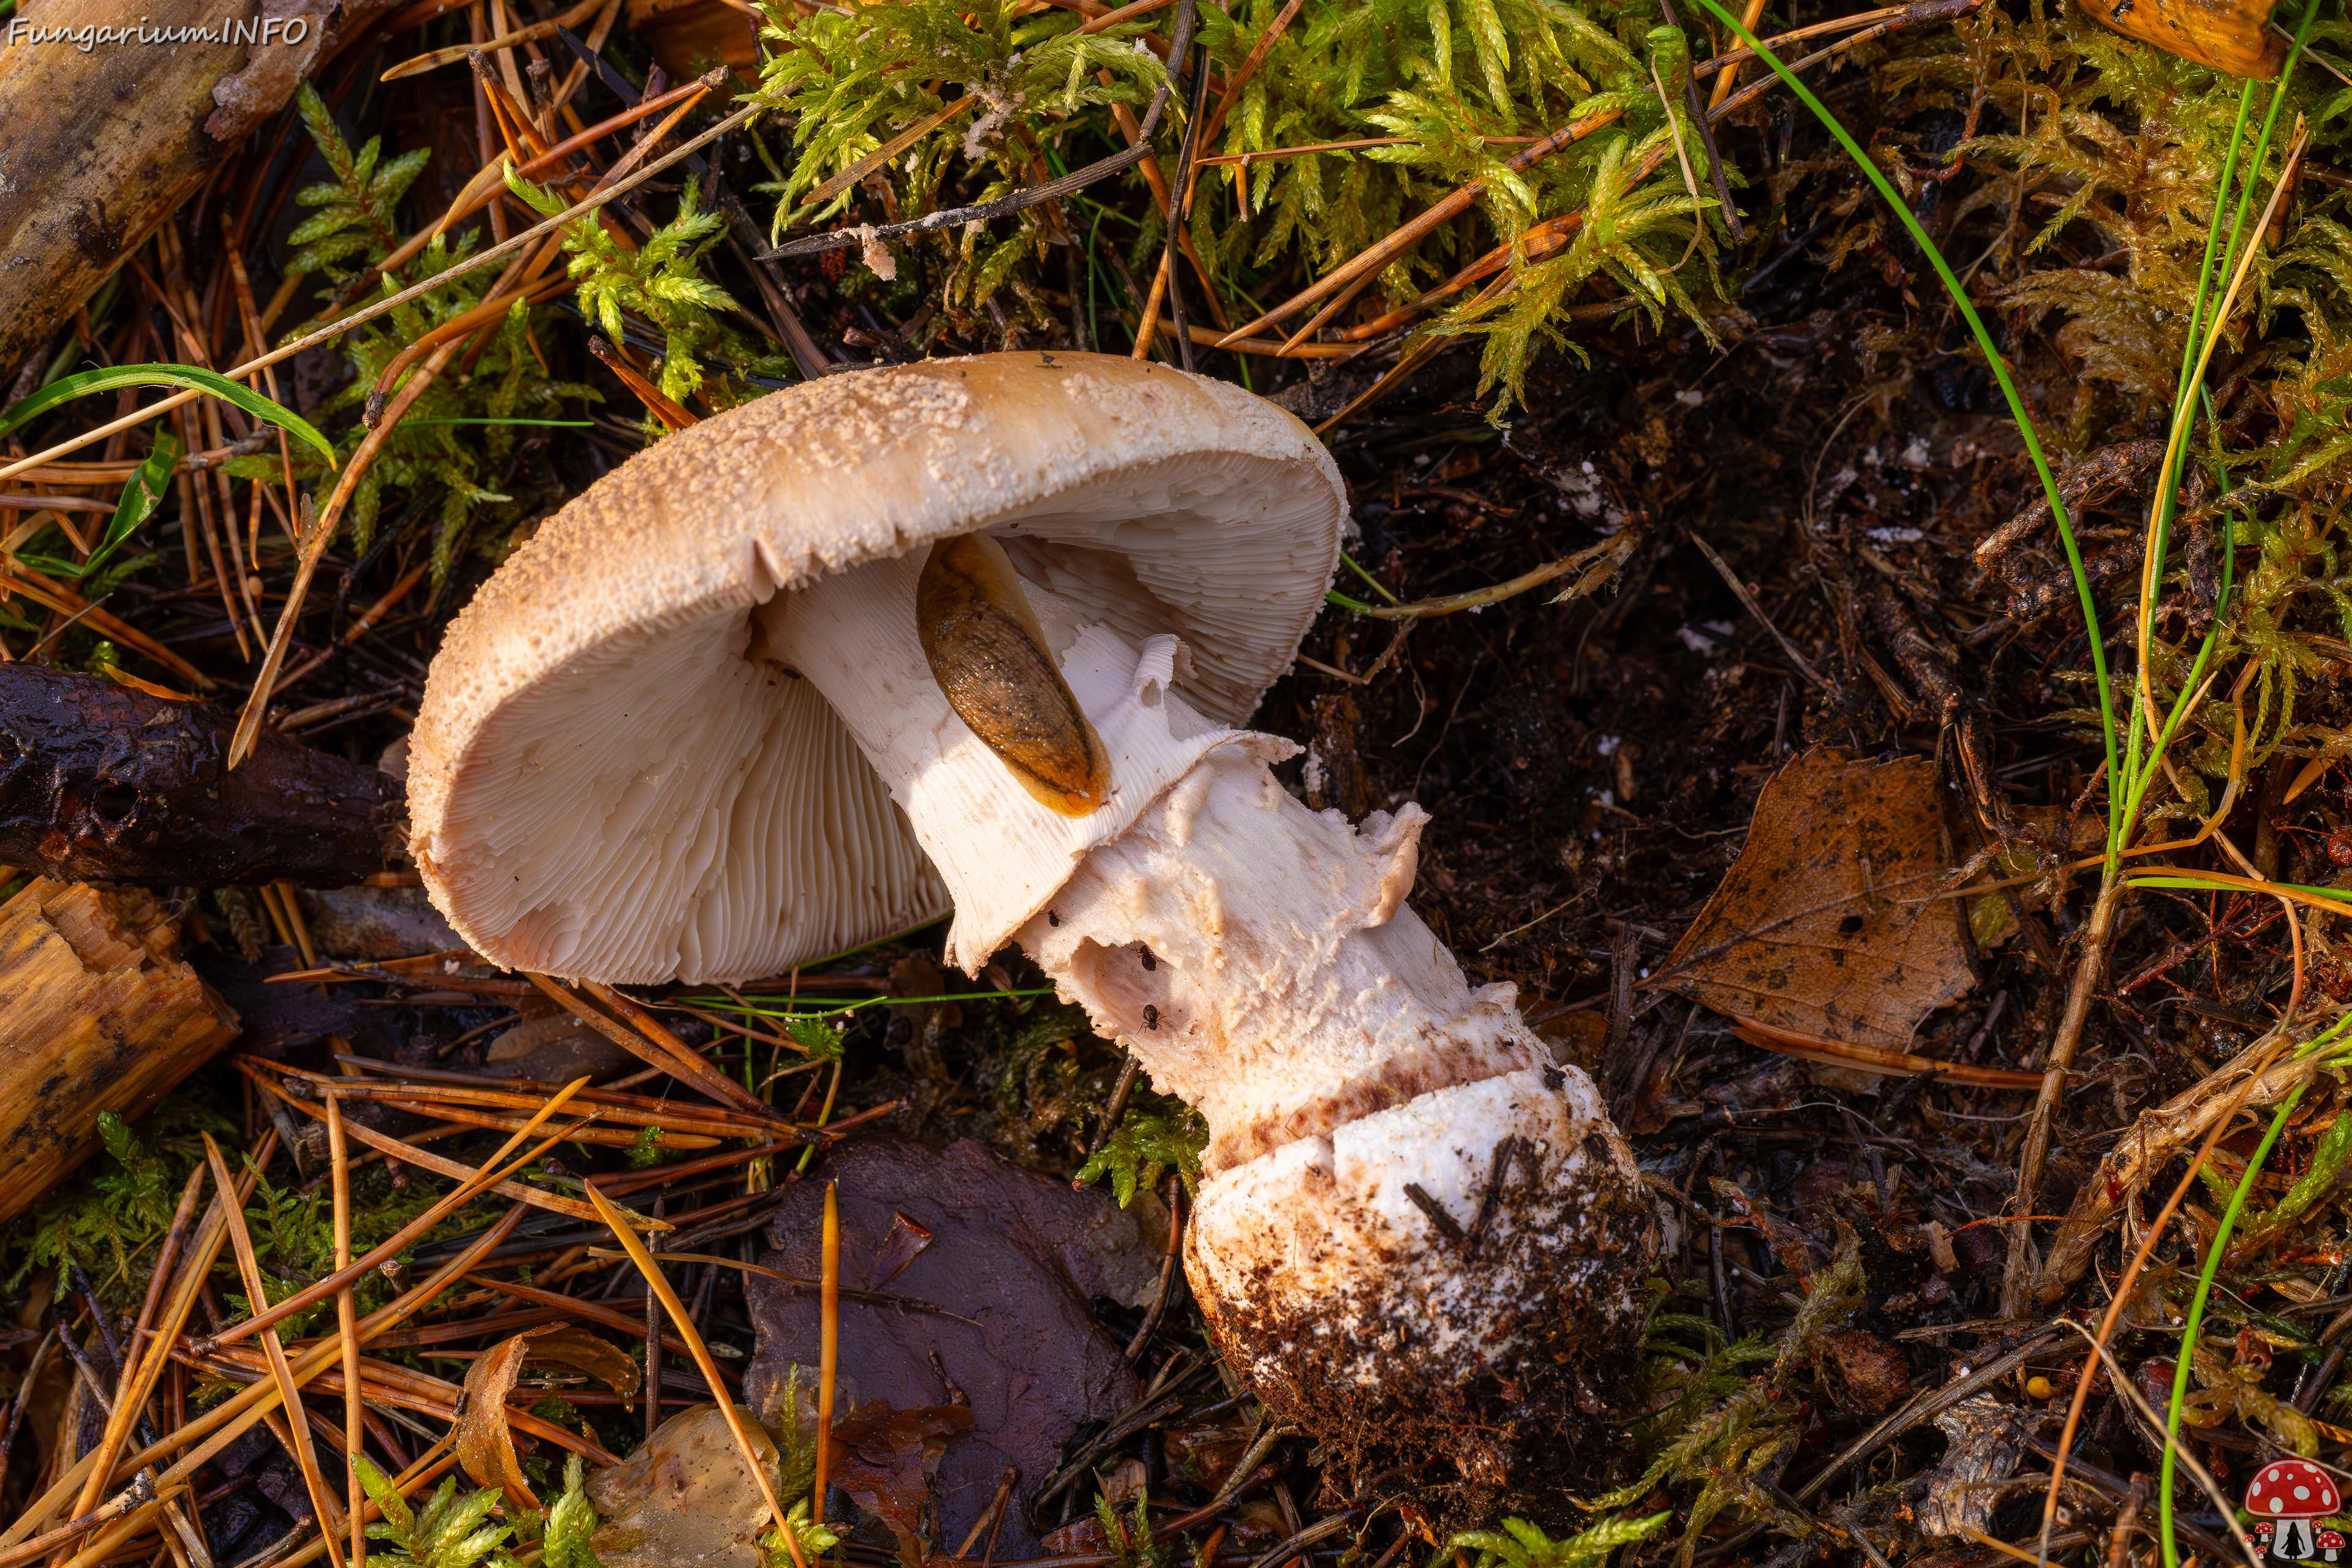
(2230, 36)
(485, 1446)
(584, 1352)
(1826, 928)
(687, 1499)
(891, 1456)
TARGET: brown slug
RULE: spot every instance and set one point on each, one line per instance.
(989, 655)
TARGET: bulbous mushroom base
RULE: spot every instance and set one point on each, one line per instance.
(1437, 1279)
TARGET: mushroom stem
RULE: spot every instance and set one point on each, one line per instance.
(1411, 1223)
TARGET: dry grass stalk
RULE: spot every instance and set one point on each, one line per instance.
(627, 1233)
(321, 1499)
(828, 1338)
(347, 1325)
(473, 1182)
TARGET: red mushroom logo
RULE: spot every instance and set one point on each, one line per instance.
(2331, 1545)
(2291, 1493)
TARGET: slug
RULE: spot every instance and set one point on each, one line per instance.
(989, 655)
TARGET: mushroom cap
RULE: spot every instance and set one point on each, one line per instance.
(2292, 1489)
(601, 784)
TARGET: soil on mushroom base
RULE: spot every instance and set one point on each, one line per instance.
(1513, 1424)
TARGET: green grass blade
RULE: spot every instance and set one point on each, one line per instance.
(140, 499)
(187, 377)
(2214, 267)
(2195, 1315)
(2000, 368)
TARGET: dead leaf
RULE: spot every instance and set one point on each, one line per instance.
(1826, 928)
(1018, 1258)
(686, 1499)
(1875, 1373)
(584, 1352)
(485, 1445)
(890, 1457)
(899, 1250)
(2230, 36)
(1963, 1490)
(1789, 1244)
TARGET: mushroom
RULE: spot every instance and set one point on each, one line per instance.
(2292, 1493)
(983, 632)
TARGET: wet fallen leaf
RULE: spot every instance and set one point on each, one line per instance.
(1018, 1258)
(485, 1445)
(890, 1459)
(1789, 1243)
(1826, 930)
(584, 1352)
(1875, 1373)
(686, 1499)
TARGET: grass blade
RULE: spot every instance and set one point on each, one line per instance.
(187, 377)
(140, 499)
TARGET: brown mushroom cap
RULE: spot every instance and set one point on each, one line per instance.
(602, 784)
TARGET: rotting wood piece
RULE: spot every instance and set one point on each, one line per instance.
(101, 139)
(97, 1013)
(102, 782)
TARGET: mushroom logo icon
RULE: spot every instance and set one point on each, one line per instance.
(2292, 1493)
(2331, 1545)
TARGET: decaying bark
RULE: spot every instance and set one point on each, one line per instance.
(103, 137)
(101, 782)
(97, 1013)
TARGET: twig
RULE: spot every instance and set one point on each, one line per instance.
(455, 52)
(225, 1423)
(381, 306)
(2123, 1291)
(1117, 1108)
(1739, 591)
(2130, 1391)
(657, 403)
(1378, 256)
(1597, 562)
(1167, 1270)
(347, 1326)
(1706, 139)
(1180, 206)
(289, 1394)
(892, 148)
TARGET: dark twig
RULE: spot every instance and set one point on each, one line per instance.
(24, 1393)
(1447, 1226)
(1706, 139)
(1503, 1153)
(1120, 1092)
(1180, 201)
